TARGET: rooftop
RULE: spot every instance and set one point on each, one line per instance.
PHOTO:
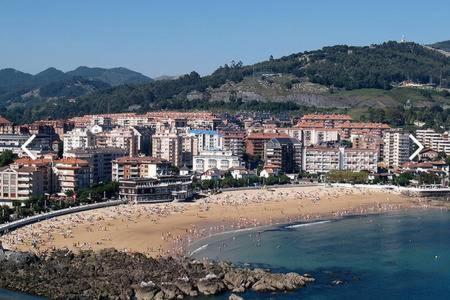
(326, 117)
(139, 159)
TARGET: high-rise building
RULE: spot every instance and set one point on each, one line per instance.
(78, 138)
(284, 154)
(100, 161)
(167, 145)
(396, 147)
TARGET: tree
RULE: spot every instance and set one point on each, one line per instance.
(7, 157)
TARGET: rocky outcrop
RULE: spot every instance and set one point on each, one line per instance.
(110, 274)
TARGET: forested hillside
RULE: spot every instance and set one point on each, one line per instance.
(339, 76)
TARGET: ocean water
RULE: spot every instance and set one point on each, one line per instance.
(389, 256)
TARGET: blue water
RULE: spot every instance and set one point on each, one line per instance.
(8, 295)
(391, 256)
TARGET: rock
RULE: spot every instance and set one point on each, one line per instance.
(210, 286)
(235, 280)
(238, 290)
(186, 287)
(145, 292)
(235, 297)
(171, 291)
(110, 274)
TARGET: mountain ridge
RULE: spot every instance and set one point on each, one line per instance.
(349, 77)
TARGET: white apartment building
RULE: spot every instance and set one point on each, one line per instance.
(78, 138)
(429, 138)
(319, 160)
(316, 136)
(396, 147)
(207, 140)
(215, 159)
(356, 160)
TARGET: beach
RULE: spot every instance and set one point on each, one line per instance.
(170, 228)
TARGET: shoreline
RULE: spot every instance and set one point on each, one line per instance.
(172, 228)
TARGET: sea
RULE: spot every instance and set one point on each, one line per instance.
(388, 256)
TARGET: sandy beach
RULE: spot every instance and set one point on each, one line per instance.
(169, 228)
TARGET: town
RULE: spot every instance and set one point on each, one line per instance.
(169, 156)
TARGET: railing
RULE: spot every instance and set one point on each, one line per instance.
(33, 219)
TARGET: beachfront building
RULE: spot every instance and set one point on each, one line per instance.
(44, 166)
(163, 188)
(19, 183)
(436, 141)
(128, 167)
(72, 174)
(78, 138)
(396, 147)
(284, 154)
(319, 160)
(356, 160)
(215, 159)
(99, 159)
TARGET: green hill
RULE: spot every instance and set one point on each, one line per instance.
(344, 77)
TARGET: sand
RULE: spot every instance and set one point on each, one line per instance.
(170, 228)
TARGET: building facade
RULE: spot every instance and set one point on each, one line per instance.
(215, 159)
(396, 147)
(284, 154)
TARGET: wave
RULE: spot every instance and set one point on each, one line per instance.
(307, 224)
(199, 249)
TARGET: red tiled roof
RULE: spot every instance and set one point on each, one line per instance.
(139, 159)
(264, 136)
(326, 117)
(4, 121)
(362, 125)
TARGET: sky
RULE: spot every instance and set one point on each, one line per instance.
(173, 37)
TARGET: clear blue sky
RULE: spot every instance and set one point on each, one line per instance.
(176, 37)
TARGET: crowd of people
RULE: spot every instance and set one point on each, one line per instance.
(223, 212)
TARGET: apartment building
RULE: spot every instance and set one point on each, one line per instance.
(207, 140)
(78, 138)
(319, 160)
(234, 141)
(127, 167)
(324, 120)
(215, 159)
(72, 174)
(168, 145)
(255, 142)
(396, 147)
(315, 136)
(284, 154)
(44, 166)
(19, 183)
(99, 159)
(436, 141)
